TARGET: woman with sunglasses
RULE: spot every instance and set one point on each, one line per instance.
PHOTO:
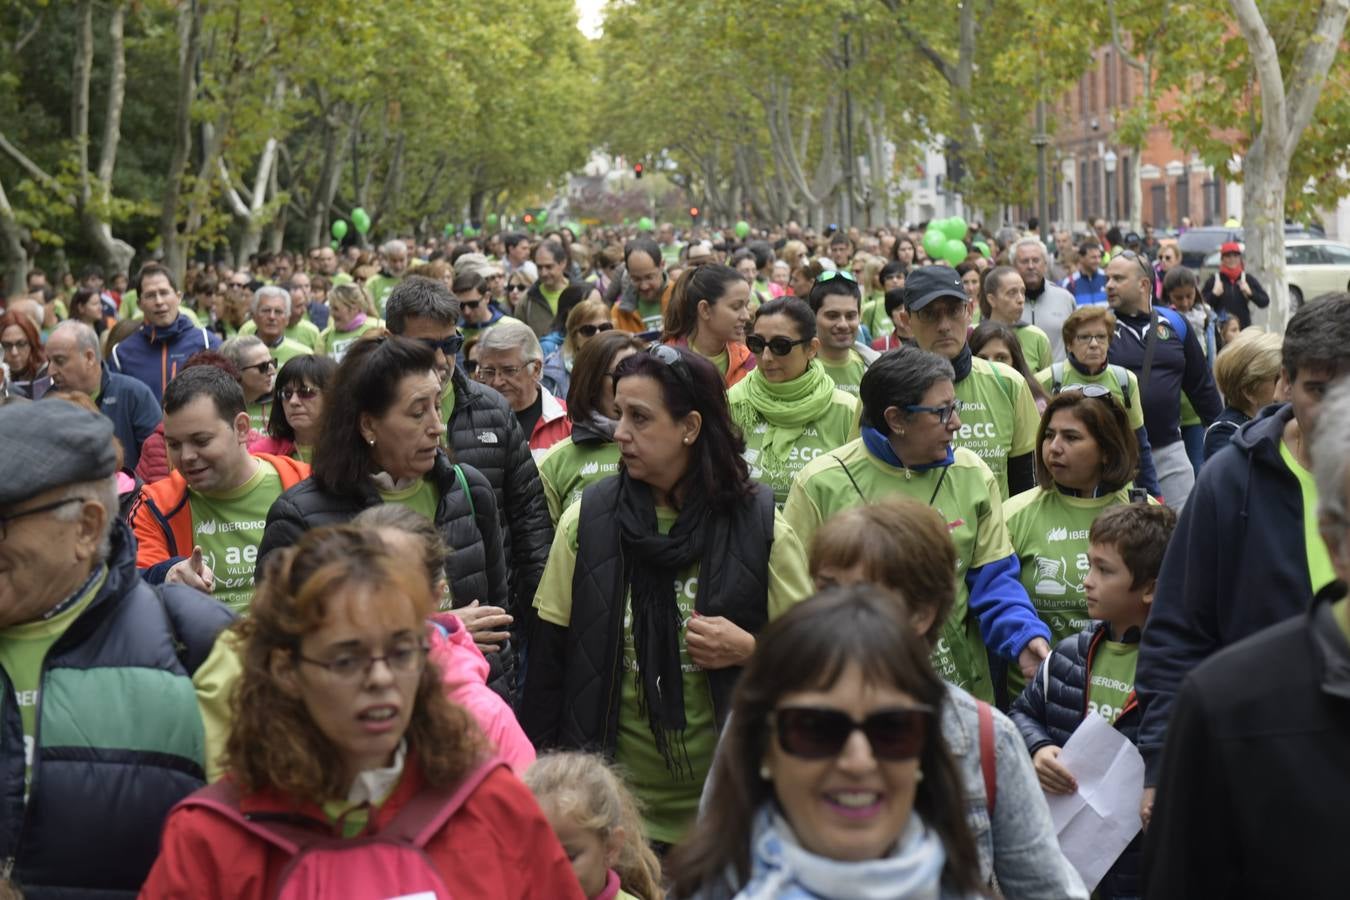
(833, 781)
(380, 441)
(589, 453)
(352, 318)
(1088, 333)
(909, 414)
(518, 285)
(1086, 457)
(657, 582)
(584, 321)
(297, 402)
(710, 308)
(257, 376)
(788, 409)
(343, 726)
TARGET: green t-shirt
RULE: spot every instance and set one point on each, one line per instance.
(1107, 378)
(836, 427)
(1111, 681)
(1188, 414)
(1049, 533)
(258, 414)
(1035, 347)
(567, 469)
(379, 289)
(551, 297)
(336, 343)
(420, 497)
(874, 318)
(669, 805)
(303, 332)
(968, 503)
(650, 311)
(998, 416)
(847, 376)
(228, 526)
(23, 650)
(288, 350)
(1320, 571)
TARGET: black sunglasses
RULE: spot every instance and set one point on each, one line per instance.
(517, 287)
(593, 330)
(449, 346)
(262, 368)
(780, 346)
(813, 732)
(469, 304)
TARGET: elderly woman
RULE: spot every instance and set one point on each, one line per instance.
(342, 724)
(1088, 332)
(833, 781)
(297, 403)
(589, 453)
(910, 413)
(510, 362)
(584, 321)
(351, 317)
(656, 585)
(257, 376)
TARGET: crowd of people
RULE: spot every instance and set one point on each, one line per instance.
(616, 565)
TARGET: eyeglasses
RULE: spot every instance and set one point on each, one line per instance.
(449, 346)
(403, 660)
(944, 413)
(261, 368)
(304, 393)
(1095, 391)
(936, 311)
(5, 520)
(486, 373)
(1092, 339)
(811, 732)
(672, 358)
(779, 346)
(512, 288)
(831, 274)
(11, 346)
(593, 330)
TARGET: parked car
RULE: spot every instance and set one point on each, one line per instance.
(1312, 266)
(1198, 243)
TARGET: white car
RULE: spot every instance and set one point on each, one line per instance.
(1313, 267)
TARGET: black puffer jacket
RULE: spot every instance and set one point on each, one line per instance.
(484, 434)
(1051, 708)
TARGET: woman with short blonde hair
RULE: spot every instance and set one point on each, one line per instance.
(1246, 371)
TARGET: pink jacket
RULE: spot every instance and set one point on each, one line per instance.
(464, 672)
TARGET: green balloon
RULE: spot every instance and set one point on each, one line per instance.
(334, 245)
(742, 229)
(542, 217)
(361, 219)
(983, 248)
(449, 228)
(955, 228)
(492, 220)
(934, 242)
(339, 229)
(955, 252)
(645, 224)
(470, 231)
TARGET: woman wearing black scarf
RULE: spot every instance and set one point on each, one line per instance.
(656, 584)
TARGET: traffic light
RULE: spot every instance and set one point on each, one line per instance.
(637, 170)
(693, 213)
(529, 218)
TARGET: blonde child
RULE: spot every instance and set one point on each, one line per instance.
(597, 822)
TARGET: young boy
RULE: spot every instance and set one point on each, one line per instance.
(1093, 671)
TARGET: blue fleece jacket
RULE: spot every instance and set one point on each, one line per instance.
(1237, 563)
(133, 410)
(153, 355)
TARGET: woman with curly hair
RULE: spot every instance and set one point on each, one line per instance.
(340, 724)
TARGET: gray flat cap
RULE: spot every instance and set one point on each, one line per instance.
(50, 444)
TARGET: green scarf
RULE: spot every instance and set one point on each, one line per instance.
(790, 406)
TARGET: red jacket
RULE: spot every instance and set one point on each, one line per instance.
(161, 518)
(552, 425)
(497, 845)
(154, 463)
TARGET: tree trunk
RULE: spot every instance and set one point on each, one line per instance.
(189, 40)
(15, 257)
(95, 189)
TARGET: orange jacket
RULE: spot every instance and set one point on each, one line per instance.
(161, 517)
(625, 316)
(740, 361)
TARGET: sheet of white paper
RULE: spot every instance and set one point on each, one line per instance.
(1098, 822)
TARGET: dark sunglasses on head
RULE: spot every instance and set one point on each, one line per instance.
(780, 346)
(812, 732)
(1145, 266)
(304, 393)
(593, 330)
(449, 346)
(672, 358)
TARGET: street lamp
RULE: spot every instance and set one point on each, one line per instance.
(1109, 161)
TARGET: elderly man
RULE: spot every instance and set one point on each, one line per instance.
(1254, 783)
(1048, 305)
(271, 311)
(393, 264)
(155, 353)
(509, 361)
(75, 364)
(105, 736)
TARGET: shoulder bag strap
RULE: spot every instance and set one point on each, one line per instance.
(423, 816)
(988, 761)
(464, 486)
(1150, 347)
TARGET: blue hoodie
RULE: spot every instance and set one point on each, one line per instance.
(133, 410)
(1237, 563)
(153, 355)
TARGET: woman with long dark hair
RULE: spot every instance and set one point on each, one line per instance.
(657, 582)
(710, 308)
(833, 780)
(297, 408)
